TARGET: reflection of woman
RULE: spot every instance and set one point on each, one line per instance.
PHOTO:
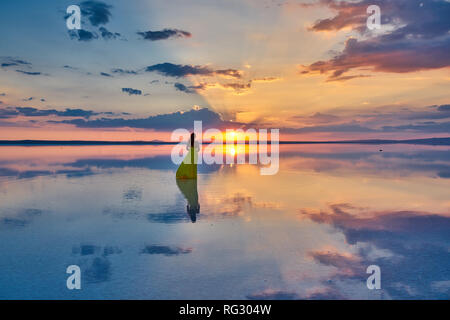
(187, 178)
(188, 168)
(188, 188)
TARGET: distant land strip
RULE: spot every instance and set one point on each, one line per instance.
(429, 141)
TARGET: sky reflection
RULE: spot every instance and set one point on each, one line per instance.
(308, 232)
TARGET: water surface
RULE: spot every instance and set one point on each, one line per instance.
(308, 232)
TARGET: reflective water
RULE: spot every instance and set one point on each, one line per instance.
(308, 232)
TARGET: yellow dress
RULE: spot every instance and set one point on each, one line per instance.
(188, 168)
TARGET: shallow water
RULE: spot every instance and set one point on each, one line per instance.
(308, 232)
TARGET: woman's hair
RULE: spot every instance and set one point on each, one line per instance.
(192, 139)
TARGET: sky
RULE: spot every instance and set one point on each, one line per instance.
(137, 70)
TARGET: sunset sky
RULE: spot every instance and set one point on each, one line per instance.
(139, 69)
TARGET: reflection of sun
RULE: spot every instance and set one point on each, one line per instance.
(231, 150)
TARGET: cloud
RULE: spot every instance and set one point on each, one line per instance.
(266, 79)
(164, 34)
(104, 74)
(181, 87)
(348, 265)
(132, 91)
(345, 78)
(123, 71)
(428, 127)
(10, 62)
(165, 250)
(419, 39)
(238, 87)
(380, 119)
(107, 35)
(30, 73)
(8, 113)
(168, 121)
(97, 12)
(69, 67)
(444, 108)
(229, 73)
(177, 70)
(82, 35)
(34, 112)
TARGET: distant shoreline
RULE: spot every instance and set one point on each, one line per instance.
(430, 141)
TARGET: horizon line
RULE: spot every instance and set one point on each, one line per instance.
(27, 142)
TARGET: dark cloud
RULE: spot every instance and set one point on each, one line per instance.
(381, 119)
(30, 73)
(169, 121)
(428, 127)
(123, 71)
(104, 74)
(164, 34)
(229, 73)
(82, 35)
(444, 108)
(420, 38)
(98, 13)
(177, 70)
(183, 88)
(34, 112)
(10, 112)
(10, 62)
(132, 91)
(165, 250)
(237, 86)
(107, 35)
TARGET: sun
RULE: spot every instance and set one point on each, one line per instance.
(230, 136)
